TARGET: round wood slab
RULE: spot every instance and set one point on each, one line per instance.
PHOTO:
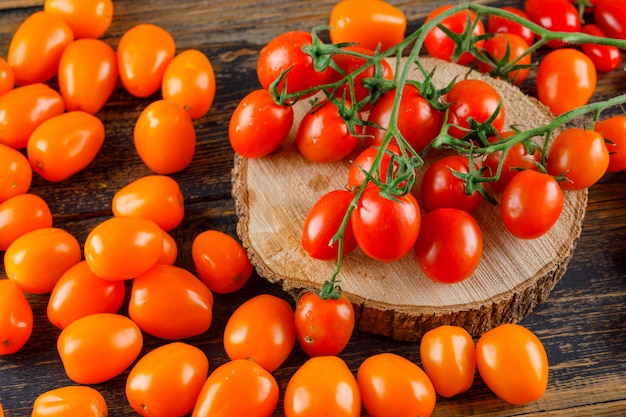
(274, 194)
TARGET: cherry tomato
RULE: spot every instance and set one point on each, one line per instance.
(1, 411)
(88, 75)
(515, 159)
(220, 261)
(165, 137)
(70, 401)
(85, 342)
(448, 356)
(154, 197)
(255, 389)
(166, 381)
(606, 58)
(16, 318)
(121, 248)
(7, 78)
(143, 53)
(16, 175)
(170, 250)
(21, 214)
(513, 363)
(499, 24)
(37, 259)
(65, 145)
(364, 163)
(322, 386)
(531, 204)
(554, 15)
(36, 47)
(610, 15)
(261, 329)
(613, 130)
(507, 46)
(392, 385)
(87, 18)
(79, 292)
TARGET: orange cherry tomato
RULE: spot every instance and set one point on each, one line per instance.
(143, 53)
(87, 18)
(21, 214)
(87, 75)
(189, 80)
(70, 401)
(613, 130)
(220, 261)
(121, 248)
(99, 347)
(171, 303)
(79, 292)
(23, 109)
(16, 318)
(36, 47)
(7, 79)
(256, 391)
(506, 46)
(16, 175)
(166, 381)
(65, 144)
(1, 411)
(154, 197)
(268, 344)
(36, 260)
(165, 137)
(170, 250)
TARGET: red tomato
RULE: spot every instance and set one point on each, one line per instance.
(84, 343)
(322, 386)
(16, 318)
(513, 363)
(613, 130)
(610, 15)
(21, 214)
(7, 78)
(166, 381)
(170, 250)
(605, 58)
(515, 159)
(143, 53)
(268, 344)
(555, 16)
(392, 385)
(70, 401)
(364, 162)
(16, 174)
(506, 47)
(87, 18)
(499, 24)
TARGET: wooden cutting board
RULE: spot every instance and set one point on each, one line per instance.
(274, 194)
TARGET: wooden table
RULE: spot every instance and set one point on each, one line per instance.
(582, 324)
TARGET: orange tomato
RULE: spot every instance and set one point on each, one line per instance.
(171, 303)
(87, 75)
(1, 411)
(23, 109)
(70, 401)
(16, 174)
(87, 18)
(143, 53)
(154, 197)
(170, 250)
(36, 260)
(220, 261)
(189, 80)
(7, 78)
(167, 381)
(65, 144)
(121, 248)
(21, 214)
(36, 47)
(613, 129)
(16, 318)
(238, 388)
(506, 46)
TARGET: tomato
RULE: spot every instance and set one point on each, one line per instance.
(36, 47)
(448, 356)
(23, 109)
(507, 47)
(121, 248)
(170, 303)
(16, 318)
(167, 380)
(70, 401)
(85, 342)
(36, 260)
(393, 386)
(21, 214)
(189, 80)
(261, 329)
(154, 197)
(65, 145)
(531, 204)
(88, 75)
(581, 155)
(613, 130)
(515, 159)
(165, 137)
(322, 386)
(385, 229)
(1, 411)
(513, 363)
(555, 16)
(170, 250)
(88, 19)
(79, 292)
(364, 162)
(610, 15)
(143, 53)
(606, 58)
(16, 174)
(499, 24)
(236, 388)
(7, 78)
(220, 261)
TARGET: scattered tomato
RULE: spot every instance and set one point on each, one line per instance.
(507, 48)
(70, 401)
(170, 250)
(86, 18)
(515, 159)
(554, 15)
(16, 175)
(500, 24)
(610, 15)
(613, 130)
(364, 162)
(16, 318)
(606, 58)
(21, 214)
(7, 78)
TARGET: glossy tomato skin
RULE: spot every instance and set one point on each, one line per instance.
(87, 19)
(21, 214)
(16, 175)
(7, 78)
(507, 43)
(70, 401)
(554, 15)
(606, 58)
(170, 250)
(393, 386)
(16, 318)
(513, 363)
(613, 130)
(515, 159)
(365, 161)
(610, 15)
(166, 381)
(499, 24)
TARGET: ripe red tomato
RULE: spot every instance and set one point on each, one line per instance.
(515, 159)
(70, 401)
(21, 214)
(499, 24)
(364, 163)
(88, 19)
(507, 46)
(610, 15)
(16, 318)
(606, 58)
(7, 78)
(16, 174)
(554, 15)
(513, 363)
(613, 130)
